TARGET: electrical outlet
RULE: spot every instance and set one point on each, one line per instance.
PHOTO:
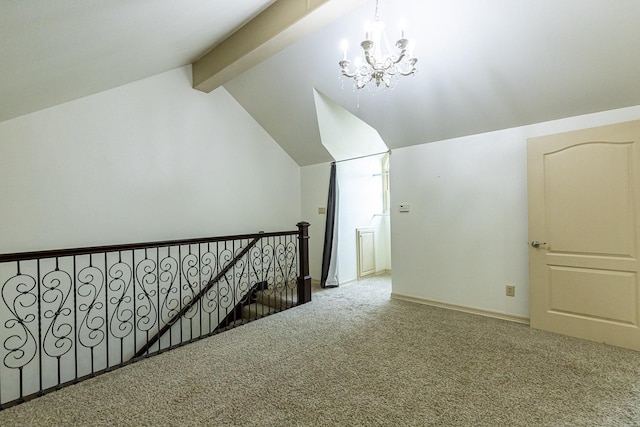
(511, 291)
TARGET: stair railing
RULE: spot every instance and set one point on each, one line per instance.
(71, 314)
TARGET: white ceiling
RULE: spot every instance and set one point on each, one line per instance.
(55, 51)
(483, 65)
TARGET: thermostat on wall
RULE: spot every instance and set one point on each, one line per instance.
(405, 208)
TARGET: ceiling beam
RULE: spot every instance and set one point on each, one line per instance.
(278, 26)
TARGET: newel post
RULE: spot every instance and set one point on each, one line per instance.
(304, 279)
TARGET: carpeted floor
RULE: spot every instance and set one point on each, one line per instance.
(353, 357)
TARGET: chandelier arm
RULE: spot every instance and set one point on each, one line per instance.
(403, 53)
(367, 57)
(408, 73)
(411, 67)
(347, 74)
(344, 69)
(412, 70)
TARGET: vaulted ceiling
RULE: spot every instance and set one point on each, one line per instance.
(56, 51)
(483, 65)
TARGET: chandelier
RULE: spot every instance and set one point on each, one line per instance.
(382, 64)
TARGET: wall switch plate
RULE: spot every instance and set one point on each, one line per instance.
(405, 208)
(511, 291)
(322, 210)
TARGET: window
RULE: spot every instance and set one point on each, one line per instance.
(385, 184)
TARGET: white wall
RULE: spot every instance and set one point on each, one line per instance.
(151, 160)
(344, 135)
(466, 238)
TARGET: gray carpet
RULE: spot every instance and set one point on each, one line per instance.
(353, 357)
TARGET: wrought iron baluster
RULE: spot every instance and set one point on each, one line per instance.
(191, 272)
(169, 308)
(91, 288)
(217, 285)
(233, 276)
(135, 299)
(200, 284)
(158, 295)
(19, 296)
(56, 286)
(106, 310)
(208, 270)
(122, 318)
(292, 265)
(75, 318)
(39, 282)
(180, 288)
(145, 277)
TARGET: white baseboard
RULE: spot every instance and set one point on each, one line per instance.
(464, 309)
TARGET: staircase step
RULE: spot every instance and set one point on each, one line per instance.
(277, 300)
(255, 311)
(236, 323)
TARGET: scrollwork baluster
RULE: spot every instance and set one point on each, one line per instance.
(190, 270)
(121, 324)
(225, 294)
(292, 257)
(208, 304)
(90, 334)
(19, 295)
(170, 307)
(169, 274)
(242, 277)
(56, 343)
(146, 278)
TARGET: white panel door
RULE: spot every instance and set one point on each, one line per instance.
(583, 232)
(366, 252)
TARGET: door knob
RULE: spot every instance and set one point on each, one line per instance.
(537, 244)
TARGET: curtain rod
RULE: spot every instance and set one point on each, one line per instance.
(361, 157)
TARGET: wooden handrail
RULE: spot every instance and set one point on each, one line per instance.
(58, 253)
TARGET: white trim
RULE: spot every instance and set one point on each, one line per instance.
(464, 309)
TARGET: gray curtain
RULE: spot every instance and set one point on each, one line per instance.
(329, 276)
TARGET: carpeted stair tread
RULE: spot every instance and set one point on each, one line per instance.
(236, 323)
(277, 300)
(256, 310)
